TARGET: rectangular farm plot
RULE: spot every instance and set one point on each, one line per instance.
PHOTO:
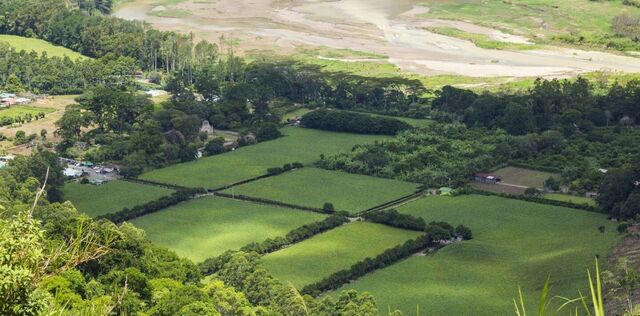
(515, 243)
(207, 227)
(524, 177)
(298, 145)
(316, 258)
(111, 197)
(313, 187)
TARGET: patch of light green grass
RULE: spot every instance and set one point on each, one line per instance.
(313, 187)
(515, 243)
(298, 144)
(22, 110)
(590, 20)
(111, 197)
(570, 198)
(39, 46)
(209, 226)
(313, 259)
(482, 40)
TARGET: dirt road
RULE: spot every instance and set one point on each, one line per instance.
(394, 28)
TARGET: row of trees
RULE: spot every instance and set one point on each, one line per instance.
(434, 234)
(294, 236)
(568, 106)
(38, 73)
(127, 214)
(351, 122)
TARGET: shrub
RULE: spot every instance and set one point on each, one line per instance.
(464, 232)
(393, 218)
(340, 121)
(328, 207)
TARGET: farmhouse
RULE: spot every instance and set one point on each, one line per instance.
(206, 128)
(487, 178)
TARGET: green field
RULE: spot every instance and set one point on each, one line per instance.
(21, 110)
(111, 197)
(298, 144)
(39, 46)
(515, 243)
(570, 198)
(540, 20)
(324, 254)
(313, 187)
(295, 113)
(524, 177)
(209, 226)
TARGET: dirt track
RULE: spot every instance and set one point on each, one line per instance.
(387, 27)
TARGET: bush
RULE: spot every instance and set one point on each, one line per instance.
(464, 232)
(393, 218)
(215, 146)
(328, 207)
(340, 121)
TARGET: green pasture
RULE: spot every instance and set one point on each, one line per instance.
(111, 197)
(515, 243)
(207, 227)
(22, 110)
(313, 259)
(540, 20)
(298, 144)
(39, 46)
(570, 198)
(313, 187)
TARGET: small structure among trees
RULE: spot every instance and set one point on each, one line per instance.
(206, 128)
(487, 178)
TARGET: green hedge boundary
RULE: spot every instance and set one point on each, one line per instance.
(151, 207)
(538, 200)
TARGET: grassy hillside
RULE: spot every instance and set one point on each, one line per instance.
(313, 187)
(298, 144)
(207, 227)
(515, 244)
(324, 254)
(542, 20)
(40, 46)
(111, 197)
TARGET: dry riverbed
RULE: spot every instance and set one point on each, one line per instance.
(393, 28)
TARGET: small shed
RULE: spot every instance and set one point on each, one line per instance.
(487, 178)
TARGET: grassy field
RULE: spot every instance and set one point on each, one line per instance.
(21, 110)
(295, 113)
(111, 197)
(313, 187)
(570, 198)
(209, 226)
(299, 144)
(524, 177)
(411, 121)
(324, 254)
(540, 20)
(39, 46)
(515, 244)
